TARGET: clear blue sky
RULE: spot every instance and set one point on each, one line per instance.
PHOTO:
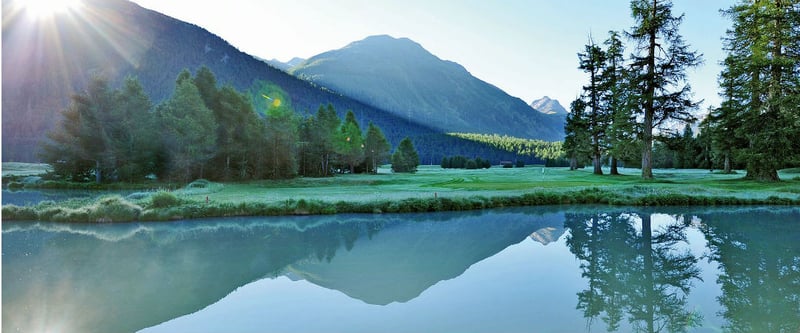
(526, 47)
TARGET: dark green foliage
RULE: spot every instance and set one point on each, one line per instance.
(461, 162)
(577, 145)
(658, 71)
(758, 122)
(281, 142)
(405, 159)
(164, 199)
(189, 131)
(376, 148)
(350, 142)
(104, 133)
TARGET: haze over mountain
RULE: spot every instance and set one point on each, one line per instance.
(285, 66)
(45, 61)
(549, 106)
(400, 76)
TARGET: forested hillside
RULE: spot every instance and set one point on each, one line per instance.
(47, 61)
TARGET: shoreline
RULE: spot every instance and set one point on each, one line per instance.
(116, 209)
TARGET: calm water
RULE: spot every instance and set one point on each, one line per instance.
(562, 269)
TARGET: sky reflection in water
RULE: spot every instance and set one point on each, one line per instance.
(529, 269)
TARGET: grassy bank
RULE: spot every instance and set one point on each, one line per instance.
(431, 189)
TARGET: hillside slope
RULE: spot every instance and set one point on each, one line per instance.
(400, 76)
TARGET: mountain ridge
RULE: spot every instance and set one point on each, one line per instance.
(400, 76)
(117, 38)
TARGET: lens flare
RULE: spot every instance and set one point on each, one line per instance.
(49, 8)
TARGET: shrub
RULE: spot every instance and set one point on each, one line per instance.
(14, 212)
(113, 208)
(164, 199)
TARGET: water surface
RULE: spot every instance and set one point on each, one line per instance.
(543, 269)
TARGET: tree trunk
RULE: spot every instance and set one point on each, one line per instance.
(762, 174)
(649, 107)
(727, 164)
(98, 172)
(598, 164)
(614, 170)
(573, 163)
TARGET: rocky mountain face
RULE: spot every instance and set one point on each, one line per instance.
(400, 76)
(547, 105)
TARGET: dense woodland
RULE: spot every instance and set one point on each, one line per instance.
(207, 131)
(630, 108)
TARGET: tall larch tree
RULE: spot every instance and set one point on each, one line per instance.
(592, 62)
(760, 84)
(188, 130)
(660, 60)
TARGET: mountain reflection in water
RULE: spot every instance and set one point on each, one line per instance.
(128, 277)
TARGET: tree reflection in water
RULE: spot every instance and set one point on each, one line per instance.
(640, 274)
(759, 262)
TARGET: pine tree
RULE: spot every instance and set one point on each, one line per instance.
(659, 71)
(135, 143)
(350, 145)
(188, 129)
(592, 61)
(281, 136)
(577, 144)
(406, 158)
(82, 145)
(620, 133)
(760, 85)
(376, 148)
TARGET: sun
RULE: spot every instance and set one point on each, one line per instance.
(49, 8)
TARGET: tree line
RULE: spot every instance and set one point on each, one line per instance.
(629, 108)
(206, 131)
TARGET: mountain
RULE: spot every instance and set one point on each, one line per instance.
(285, 66)
(549, 106)
(400, 76)
(46, 60)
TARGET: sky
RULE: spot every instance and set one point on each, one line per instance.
(526, 47)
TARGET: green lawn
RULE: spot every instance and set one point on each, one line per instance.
(430, 189)
(432, 181)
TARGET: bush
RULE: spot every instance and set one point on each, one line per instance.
(164, 199)
(17, 213)
(113, 208)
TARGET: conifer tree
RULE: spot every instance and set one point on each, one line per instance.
(760, 82)
(188, 130)
(376, 148)
(661, 58)
(350, 145)
(406, 158)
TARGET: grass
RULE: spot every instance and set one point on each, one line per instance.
(430, 189)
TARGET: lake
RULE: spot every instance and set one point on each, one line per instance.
(537, 269)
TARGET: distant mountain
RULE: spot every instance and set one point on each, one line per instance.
(45, 61)
(285, 66)
(400, 76)
(549, 106)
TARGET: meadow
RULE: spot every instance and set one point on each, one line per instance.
(430, 189)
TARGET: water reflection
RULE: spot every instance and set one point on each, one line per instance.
(634, 271)
(637, 269)
(125, 277)
(759, 260)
